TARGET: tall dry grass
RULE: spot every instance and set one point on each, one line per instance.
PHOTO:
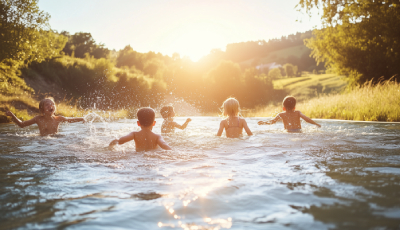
(369, 102)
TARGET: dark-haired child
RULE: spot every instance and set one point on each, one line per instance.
(169, 125)
(145, 139)
(47, 122)
(290, 118)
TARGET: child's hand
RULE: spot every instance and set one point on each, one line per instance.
(114, 142)
(261, 123)
(8, 113)
(188, 120)
(319, 126)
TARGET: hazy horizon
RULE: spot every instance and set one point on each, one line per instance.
(190, 28)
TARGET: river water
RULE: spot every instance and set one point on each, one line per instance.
(345, 175)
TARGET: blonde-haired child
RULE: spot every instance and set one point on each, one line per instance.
(47, 122)
(234, 123)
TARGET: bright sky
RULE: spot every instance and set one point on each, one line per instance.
(189, 27)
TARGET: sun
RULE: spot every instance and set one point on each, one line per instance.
(196, 39)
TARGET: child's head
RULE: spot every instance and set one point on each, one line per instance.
(289, 103)
(231, 107)
(146, 116)
(167, 111)
(47, 105)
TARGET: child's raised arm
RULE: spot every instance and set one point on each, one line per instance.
(270, 122)
(309, 120)
(20, 123)
(72, 119)
(176, 125)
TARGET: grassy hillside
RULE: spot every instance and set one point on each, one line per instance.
(311, 85)
(368, 102)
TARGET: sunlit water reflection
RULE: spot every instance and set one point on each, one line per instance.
(344, 175)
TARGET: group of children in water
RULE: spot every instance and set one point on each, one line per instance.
(145, 139)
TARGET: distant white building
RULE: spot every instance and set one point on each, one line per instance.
(266, 67)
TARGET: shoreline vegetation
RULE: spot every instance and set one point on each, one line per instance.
(368, 102)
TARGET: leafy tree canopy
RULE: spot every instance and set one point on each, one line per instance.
(359, 38)
(25, 33)
(81, 43)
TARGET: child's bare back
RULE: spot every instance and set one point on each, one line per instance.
(233, 127)
(234, 124)
(144, 139)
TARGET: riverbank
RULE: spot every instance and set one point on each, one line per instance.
(380, 102)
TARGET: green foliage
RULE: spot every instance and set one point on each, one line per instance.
(290, 70)
(359, 38)
(25, 35)
(10, 83)
(98, 81)
(227, 80)
(275, 73)
(81, 44)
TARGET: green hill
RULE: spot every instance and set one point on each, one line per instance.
(311, 85)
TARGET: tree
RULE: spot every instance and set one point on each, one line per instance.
(358, 38)
(274, 73)
(25, 33)
(81, 43)
(25, 37)
(223, 81)
(289, 70)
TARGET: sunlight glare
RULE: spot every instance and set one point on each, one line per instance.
(197, 39)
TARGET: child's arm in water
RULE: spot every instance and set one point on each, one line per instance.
(72, 119)
(123, 139)
(162, 143)
(20, 123)
(248, 131)
(270, 122)
(309, 120)
(184, 125)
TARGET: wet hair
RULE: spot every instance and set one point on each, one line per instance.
(166, 111)
(41, 104)
(289, 102)
(146, 116)
(230, 107)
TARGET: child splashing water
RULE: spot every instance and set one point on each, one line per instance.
(145, 139)
(290, 118)
(168, 125)
(234, 124)
(47, 122)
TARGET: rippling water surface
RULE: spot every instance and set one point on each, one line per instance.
(345, 175)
